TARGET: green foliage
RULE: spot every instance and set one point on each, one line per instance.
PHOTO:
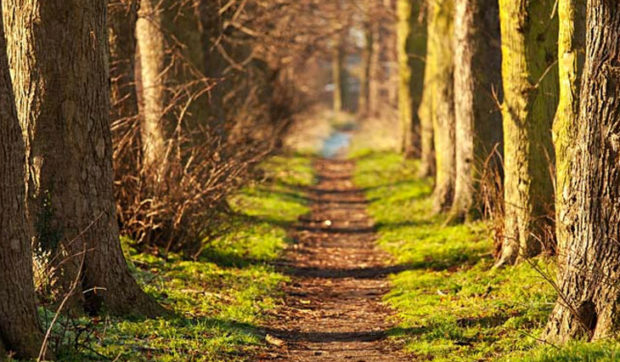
(220, 299)
(451, 304)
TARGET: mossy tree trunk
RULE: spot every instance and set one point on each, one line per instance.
(405, 104)
(20, 331)
(58, 52)
(589, 303)
(440, 84)
(477, 74)
(530, 82)
(571, 44)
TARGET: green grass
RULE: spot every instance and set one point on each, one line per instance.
(451, 304)
(221, 299)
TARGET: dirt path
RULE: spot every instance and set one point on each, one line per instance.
(333, 309)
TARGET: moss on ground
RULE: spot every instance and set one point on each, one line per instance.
(219, 299)
(451, 304)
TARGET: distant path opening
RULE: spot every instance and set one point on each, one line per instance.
(333, 309)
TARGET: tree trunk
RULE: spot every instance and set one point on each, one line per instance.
(530, 82)
(589, 290)
(441, 87)
(123, 15)
(405, 104)
(477, 73)
(182, 21)
(20, 332)
(427, 146)
(375, 71)
(338, 73)
(366, 61)
(59, 54)
(153, 66)
(571, 45)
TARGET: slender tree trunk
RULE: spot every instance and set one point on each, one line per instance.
(477, 74)
(405, 103)
(571, 44)
(182, 21)
(365, 67)
(530, 82)
(427, 145)
(59, 54)
(374, 70)
(20, 332)
(338, 74)
(153, 66)
(441, 85)
(589, 289)
(122, 18)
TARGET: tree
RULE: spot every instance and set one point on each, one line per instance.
(530, 81)
(477, 74)
(20, 332)
(589, 293)
(58, 52)
(571, 43)
(338, 74)
(405, 103)
(439, 93)
(153, 65)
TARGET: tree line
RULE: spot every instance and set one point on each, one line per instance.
(519, 117)
(136, 118)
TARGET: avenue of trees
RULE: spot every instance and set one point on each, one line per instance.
(528, 93)
(139, 117)
(135, 118)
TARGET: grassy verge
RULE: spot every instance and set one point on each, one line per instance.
(451, 304)
(219, 299)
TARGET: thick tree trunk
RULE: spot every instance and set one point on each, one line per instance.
(441, 85)
(427, 145)
(589, 292)
(405, 104)
(59, 54)
(571, 44)
(530, 82)
(20, 332)
(477, 73)
(153, 66)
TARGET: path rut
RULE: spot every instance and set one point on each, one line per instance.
(333, 309)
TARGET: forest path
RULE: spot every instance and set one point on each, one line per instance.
(333, 309)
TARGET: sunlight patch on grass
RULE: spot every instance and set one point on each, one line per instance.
(451, 304)
(220, 299)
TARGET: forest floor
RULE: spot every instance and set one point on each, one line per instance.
(333, 308)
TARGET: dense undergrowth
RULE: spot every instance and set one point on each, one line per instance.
(451, 304)
(219, 299)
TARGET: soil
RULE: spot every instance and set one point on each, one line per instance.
(332, 308)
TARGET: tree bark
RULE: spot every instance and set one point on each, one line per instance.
(59, 57)
(530, 82)
(366, 62)
(20, 331)
(477, 73)
(440, 84)
(571, 44)
(589, 291)
(122, 18)
(427, 146)
(338, 73)
(153, 66)
(405, 103)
